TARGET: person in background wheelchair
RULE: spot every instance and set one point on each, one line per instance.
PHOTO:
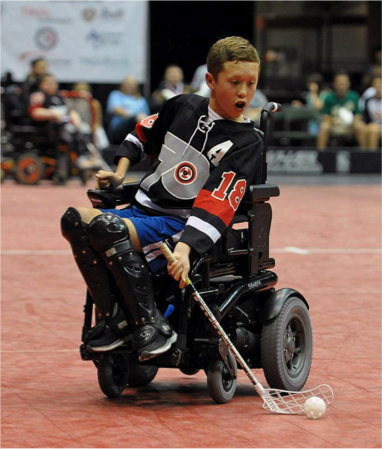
(49, 110)
(207, 154)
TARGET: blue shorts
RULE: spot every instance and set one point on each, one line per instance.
(151, 231)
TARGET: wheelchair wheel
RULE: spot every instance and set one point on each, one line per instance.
(29, 169)
(221, 386)
(140, 375)
(287, 346)
(112, 378)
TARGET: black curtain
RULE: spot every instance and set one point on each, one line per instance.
(183, 32)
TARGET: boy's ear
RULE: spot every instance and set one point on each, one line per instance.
(210, 80)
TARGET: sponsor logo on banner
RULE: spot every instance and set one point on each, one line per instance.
(112, 14)
(105, 14)
(291, 161)
(46, 38)
(89, 14)
(103, 38)
(104, 60)
(43, 14)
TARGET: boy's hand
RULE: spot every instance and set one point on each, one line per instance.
(180, 268)
(107, 179)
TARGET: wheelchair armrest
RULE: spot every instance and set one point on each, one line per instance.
(109, 199)
(262, 192)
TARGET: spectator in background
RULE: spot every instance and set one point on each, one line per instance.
(341, 115)
(100, 138)
(373, 115)
(38, 68)
(314, 98)
(317, 91)
(171, 86)
(199, 78)
(126, 107)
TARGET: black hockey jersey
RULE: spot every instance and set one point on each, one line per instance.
(204, 166)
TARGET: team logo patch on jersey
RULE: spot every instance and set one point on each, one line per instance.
(185, 173)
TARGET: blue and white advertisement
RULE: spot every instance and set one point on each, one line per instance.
(96, 41)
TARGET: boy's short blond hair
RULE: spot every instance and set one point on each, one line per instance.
(232, 48)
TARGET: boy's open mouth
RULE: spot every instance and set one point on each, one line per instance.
(240, 105)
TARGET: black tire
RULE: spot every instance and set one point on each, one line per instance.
(189, 372)
(112, 379)
(140, 375)
(287, 346)
(29, 169)
(221, 386)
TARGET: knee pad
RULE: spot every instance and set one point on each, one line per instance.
(109, 234)
(73, 229)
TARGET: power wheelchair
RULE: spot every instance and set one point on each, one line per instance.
(33, 151)
(270, 328)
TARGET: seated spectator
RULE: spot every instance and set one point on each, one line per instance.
(126, 107)
(199, 78)
(171, 85)
(39, 67)
(373, 116)
(369, 93)
(49, 109)
(341, 115)
(313, 98)
(100, 138)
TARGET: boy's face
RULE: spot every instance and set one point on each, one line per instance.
(233, 89)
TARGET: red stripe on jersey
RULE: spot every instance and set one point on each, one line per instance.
(221, 209)
(146, 123)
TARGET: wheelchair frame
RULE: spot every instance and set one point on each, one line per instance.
(236, 283)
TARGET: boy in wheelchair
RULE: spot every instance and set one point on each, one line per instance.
(207, 153)
(61, 124)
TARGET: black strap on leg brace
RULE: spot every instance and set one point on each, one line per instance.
(92, 268)
(110, 238)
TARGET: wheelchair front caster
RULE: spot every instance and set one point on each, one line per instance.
(221, 386)
(188, 371)
(112, 377)
(287, 347)
(140, 375)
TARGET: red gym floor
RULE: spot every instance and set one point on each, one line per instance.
(326, 242)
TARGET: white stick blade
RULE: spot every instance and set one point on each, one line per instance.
(289, 402)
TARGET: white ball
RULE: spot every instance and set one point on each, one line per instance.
(314, 407)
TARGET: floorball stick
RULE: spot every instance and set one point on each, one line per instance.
(277, 401)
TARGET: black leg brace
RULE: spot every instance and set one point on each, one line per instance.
(109, 236)
(93, 271)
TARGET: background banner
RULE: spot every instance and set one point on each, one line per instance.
(95, 41)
